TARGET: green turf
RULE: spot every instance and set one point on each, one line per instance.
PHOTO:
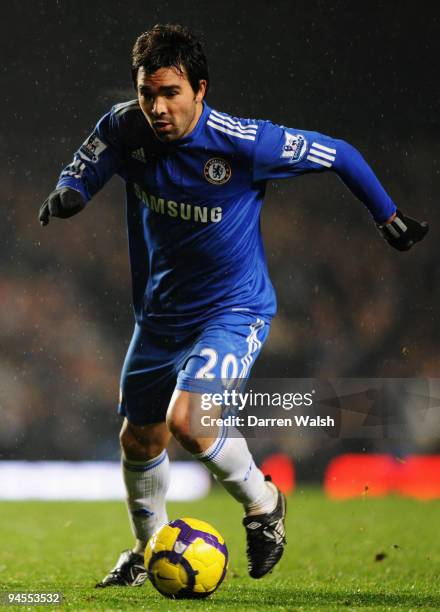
(329, 563)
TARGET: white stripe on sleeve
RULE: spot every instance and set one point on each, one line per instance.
(322, 162)
(323, 148)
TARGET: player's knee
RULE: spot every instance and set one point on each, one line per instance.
(178, 423)
(142, 443)
(178, 418)
(183, 417)
(127, 439)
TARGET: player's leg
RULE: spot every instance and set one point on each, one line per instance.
(145, 469)
(147, 381)
(228, 458)
(224, 451)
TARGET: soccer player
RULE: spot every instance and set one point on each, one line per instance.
(195, 182)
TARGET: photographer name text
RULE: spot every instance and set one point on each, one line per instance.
(251, 420)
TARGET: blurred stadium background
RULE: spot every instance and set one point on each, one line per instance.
(348, 305)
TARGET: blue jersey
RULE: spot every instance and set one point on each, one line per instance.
(193, 206)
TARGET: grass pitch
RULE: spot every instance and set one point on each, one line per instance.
(375, 554)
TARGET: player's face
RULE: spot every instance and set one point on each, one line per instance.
(169, 103)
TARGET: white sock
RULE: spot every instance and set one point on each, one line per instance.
(229, 459)
(146, 483)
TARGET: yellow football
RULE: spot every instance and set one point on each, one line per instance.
(186, 558)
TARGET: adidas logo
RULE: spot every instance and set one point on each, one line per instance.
(139, 155)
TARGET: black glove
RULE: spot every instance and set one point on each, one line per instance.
(63, 203)
(403, 232)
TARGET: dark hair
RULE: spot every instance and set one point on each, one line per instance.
(170, 46)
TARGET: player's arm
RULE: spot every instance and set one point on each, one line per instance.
(282, 152)
(93, 165)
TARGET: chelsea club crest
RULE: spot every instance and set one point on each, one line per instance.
(217, 171)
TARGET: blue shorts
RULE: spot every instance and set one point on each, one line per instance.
(157, 364)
